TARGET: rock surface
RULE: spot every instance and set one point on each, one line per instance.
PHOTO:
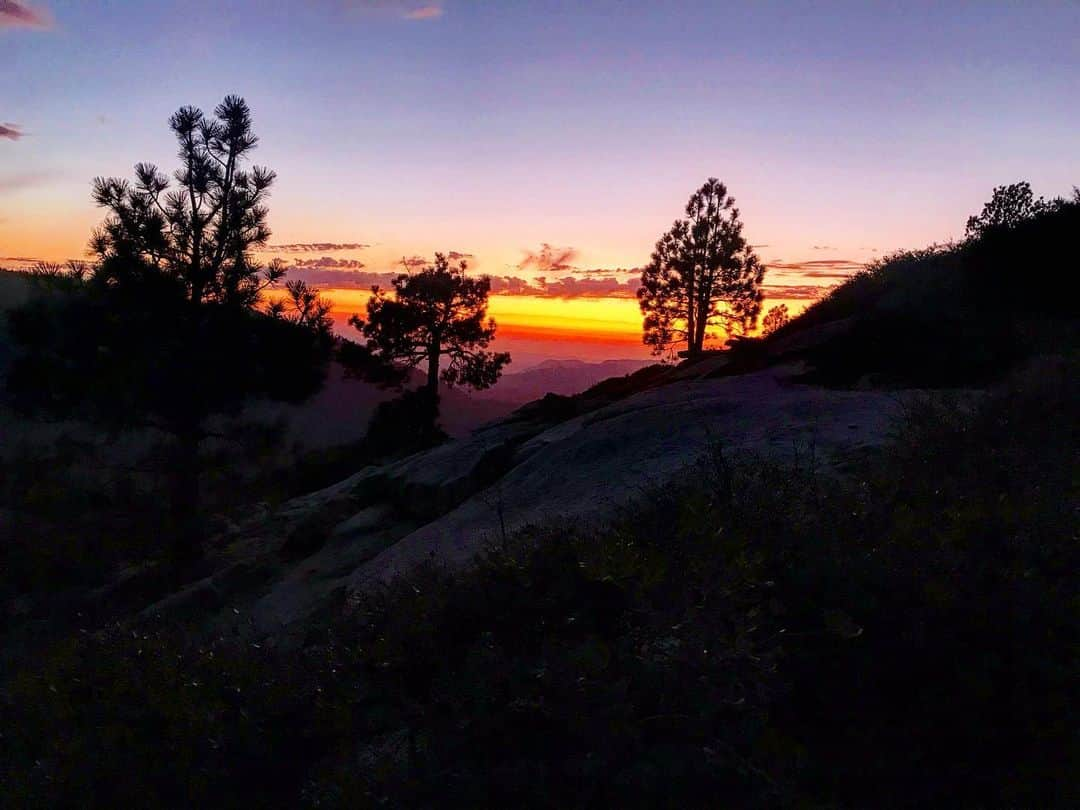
(585, 468)
(447, 504)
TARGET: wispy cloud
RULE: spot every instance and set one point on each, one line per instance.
(560, 280)
(549, 259)
(817, 268)
(18, 14)
(570, 287)
(804, 292)
(424, 13)
(22, 259)
(606, 271)
(329, 263)
(567, 286)
(406, 9)
(346, 274)
(410, 263)
(18, 181)
(11, 131)
(313, 247)
(342, 279)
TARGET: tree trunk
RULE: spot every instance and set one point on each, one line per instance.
(691, 312)
(187, 540)
(700, 307)
(702, 324)
(433, 371)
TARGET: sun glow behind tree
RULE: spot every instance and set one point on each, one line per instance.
(589, 328)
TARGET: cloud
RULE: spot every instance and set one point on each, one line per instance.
(805, 292)
(570, 287)
(424, 13)
(549, 259)
(327, 262)
(16, 182)
(606, 271)
(18, 14)
(565, 287)
(11, 131)
(411, 263)
(22, 259)
(406, 9)
(513, 285)
(343, 279)
(312, 247)
(328, 272)
(824, 274)
(345, 274)
(817, 268)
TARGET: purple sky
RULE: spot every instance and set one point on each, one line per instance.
(491, 127)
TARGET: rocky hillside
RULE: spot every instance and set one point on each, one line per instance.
(790, 574)
(826, 386)
(449, 503)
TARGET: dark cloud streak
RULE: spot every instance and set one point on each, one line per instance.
(607, 271)
(17, 14)
(563, 281)
(328, 263)
(817, 268)
(336, 274)
(800, 292)
(549, 259)
(17, 182)
(341, 279)
(312, 247)
(566, 287)
(413, 10)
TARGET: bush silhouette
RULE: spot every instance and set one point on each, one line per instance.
(1007, 207)
(760, 631)
(776, 318)
(406, 424)
(958, 313)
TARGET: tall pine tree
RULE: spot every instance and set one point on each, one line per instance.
(702, 274)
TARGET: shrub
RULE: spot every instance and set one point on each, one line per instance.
(766, 634)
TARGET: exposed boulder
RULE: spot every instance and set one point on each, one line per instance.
(585, 468)
(449, 503)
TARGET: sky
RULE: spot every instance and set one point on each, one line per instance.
(489, 129)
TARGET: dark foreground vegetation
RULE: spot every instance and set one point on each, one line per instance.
(963, 313)
(898, 633)
(765, 635)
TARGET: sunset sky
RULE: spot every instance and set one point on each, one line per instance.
(844, 130)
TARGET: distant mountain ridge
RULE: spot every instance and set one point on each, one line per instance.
(563, 376)
(340, 412)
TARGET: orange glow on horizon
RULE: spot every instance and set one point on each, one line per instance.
(600, 319)
(600, 327)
